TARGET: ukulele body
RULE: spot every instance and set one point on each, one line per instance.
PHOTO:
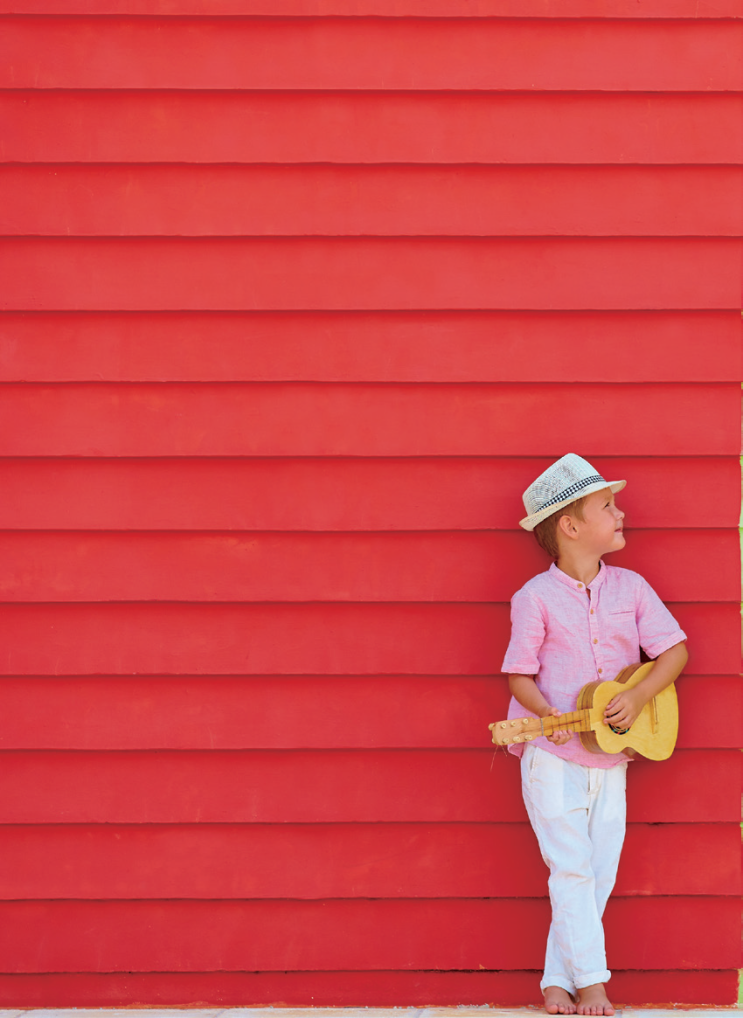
(654, 732)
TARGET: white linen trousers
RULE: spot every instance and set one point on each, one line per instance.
(578, 815)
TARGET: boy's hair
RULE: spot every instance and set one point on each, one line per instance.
(546, 531)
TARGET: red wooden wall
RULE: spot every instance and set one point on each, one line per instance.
(293, 308)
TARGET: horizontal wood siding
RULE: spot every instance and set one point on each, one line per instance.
(104, 199)
(427, 860)
(562, 9)
(153, 712)
(354, 935)
(370, 53)
(132, 126)
(296, 299)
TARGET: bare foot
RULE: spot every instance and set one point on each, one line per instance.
(558, 1001)
(593, 1000)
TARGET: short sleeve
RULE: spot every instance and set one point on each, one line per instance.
(527, 636)
(657, 628)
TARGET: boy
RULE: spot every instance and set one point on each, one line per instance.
(578, 622)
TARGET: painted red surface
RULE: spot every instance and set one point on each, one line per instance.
(363, 419)
(264, 787)
(319, 786)
(293, 307)
(337, 493)
(132, 126)
(339, 712)
(371, 53)
(365, 860)
(286, 274)
(379, 346)
(321, 199)
(670, 9)
(300, 638)
(111, 936)
(383, 988)
(250, 566)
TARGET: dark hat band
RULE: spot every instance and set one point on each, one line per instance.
(571, 490)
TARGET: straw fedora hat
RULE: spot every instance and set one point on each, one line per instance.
(567, 479)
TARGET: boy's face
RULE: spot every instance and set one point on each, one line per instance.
(601, 530)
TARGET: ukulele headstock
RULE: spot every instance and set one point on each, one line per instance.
(505, 733)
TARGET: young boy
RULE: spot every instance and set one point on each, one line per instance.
(578, 622)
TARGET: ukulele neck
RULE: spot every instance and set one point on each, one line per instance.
(572, 721)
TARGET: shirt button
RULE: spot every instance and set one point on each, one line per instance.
(600, 670)
(591, 611)
(580, 586)
(595, 641)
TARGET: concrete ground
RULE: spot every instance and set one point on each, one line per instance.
(340, 1012)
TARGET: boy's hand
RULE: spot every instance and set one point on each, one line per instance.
(558, 738)
(623, 710)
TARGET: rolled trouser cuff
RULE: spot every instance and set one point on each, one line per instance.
(602, 976)
(561, 980)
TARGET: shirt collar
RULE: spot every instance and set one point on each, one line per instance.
(558, 574)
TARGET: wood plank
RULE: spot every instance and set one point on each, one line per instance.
(683, 565)
(304, 639)
(687, 933)
(314, 786)
(412, 346)
(287, 712)
(388, 989)
(237, 639)
(671, 791)
(271, 787)
(648, 866)
(711, 711)
(228, 200)
(664, 931)
(538, 9)
(661, 987)
(369, 53)
(375, 273)
(309, 861)
(375, 127)
(276, 712)
(339, 494)
(275, 419)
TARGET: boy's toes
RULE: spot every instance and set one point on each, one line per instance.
(558, 1001)
(592, 1000)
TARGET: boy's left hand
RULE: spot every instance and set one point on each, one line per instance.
(623, 710)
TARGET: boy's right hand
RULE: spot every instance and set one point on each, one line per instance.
(558, 738)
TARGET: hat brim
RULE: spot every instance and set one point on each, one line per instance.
(529, 522)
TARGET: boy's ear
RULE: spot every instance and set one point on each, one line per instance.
(566, 525)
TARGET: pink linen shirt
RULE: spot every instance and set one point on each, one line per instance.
(567, 634)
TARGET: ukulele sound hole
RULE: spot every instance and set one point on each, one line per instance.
(618, 731)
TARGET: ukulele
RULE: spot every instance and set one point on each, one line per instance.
(653, 733)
